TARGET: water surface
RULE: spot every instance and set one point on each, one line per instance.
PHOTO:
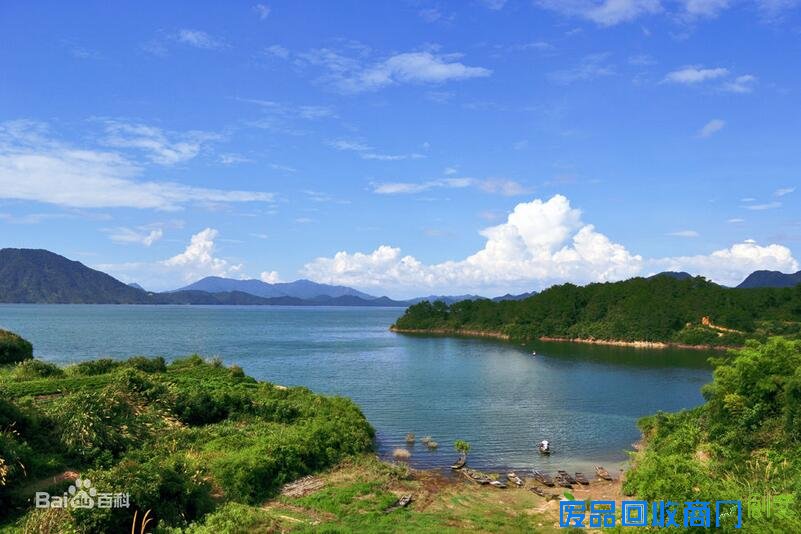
(585, 399)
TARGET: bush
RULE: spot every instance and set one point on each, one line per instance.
(93, 367)
(148, 365)
(33, 369)
(13, 348)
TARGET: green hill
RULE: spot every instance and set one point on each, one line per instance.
(40, 276)
(182, 439)
(658, 309)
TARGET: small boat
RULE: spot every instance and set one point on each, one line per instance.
(514, 479)
(459, 463)
(403, 502)
(581, 479)
(538, 491)
(602, 473)
(497, 484)
(477, 477)
(543, 478)
(567, 476)
(562, 481)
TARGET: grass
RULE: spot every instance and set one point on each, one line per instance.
(357, 493)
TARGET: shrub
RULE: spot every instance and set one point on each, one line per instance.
(93, 367)
(13, 348)
(148, 365)
(33, 369)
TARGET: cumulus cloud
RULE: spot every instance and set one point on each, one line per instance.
(731, 265)
(603, 12)
(270, 277)
(541, 242)
(198, 259)
(33, 166)
(711, 128)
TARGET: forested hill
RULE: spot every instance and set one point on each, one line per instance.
(661, 308)
(28, 275)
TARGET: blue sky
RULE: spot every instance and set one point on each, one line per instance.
(404, 147)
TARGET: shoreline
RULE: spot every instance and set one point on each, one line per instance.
(458, 332)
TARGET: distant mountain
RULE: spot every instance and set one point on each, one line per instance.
(40, 276)
(448, 299)
(509, 296)
(771, 279)
(678, 275)
(136, 286)
(28, 276)
(301, 289)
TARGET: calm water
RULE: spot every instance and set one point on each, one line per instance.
(584, 399)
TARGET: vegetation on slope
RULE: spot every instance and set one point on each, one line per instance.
(182, 439)
(661, 308)
(745, 441)
(14, 348)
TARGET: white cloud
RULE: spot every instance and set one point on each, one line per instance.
(541, 243)
(199, 259)
(155, 142)
(711, 128)
(348, 144)
(763, 207)
(124, 235)
(603, 12)
(741, 84)
(684, 233)
(730, 266)
(705, 8)
(391, 157)
(262, 10)
(270, 277)
(35, 167)
(694, 74)
(735, 220)
(784, 191)
(491, 185)
(198, 39)
(354, 75)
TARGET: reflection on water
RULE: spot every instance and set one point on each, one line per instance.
(585, 399)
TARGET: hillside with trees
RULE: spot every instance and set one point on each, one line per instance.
(657, 309)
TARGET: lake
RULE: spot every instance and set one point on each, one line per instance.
(585, 399)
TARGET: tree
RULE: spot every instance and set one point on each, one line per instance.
(462, 447)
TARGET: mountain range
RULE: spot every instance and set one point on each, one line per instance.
(301, 289)
(41, 276)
